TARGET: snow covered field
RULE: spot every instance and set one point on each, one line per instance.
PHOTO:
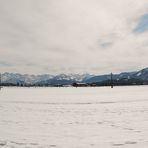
(74, 117)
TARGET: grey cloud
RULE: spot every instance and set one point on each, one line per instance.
(2, 63)
(105, 45)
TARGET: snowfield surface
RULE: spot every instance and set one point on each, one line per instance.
(74, 117)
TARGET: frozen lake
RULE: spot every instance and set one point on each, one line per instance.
(98, 117)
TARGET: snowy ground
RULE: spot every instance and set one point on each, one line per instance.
(74, 117)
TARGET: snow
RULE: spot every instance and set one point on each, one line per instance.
(139, 73)
(98, 117)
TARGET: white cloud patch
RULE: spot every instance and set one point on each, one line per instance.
(60, 36)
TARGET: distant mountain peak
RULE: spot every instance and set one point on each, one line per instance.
(14, 78)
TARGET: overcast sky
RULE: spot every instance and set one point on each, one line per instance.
(73, 36)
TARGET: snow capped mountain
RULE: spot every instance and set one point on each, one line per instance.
(47, 79)
(142, 74)
(76, 77)
(66, 79)
(15, 78)
(100, 78)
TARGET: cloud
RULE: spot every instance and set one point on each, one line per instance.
(105, 44)
(56, 36)
(5, 64)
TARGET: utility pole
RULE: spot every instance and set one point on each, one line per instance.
(0, 81)
(111, 80)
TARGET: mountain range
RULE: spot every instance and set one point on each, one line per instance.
(68, 79)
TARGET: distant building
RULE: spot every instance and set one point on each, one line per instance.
(79, 84)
